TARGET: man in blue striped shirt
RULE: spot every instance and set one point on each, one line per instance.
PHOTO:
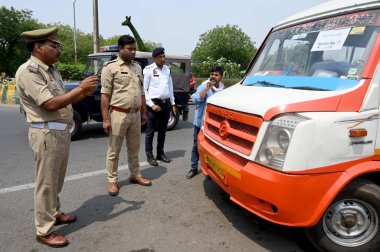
(204, 91)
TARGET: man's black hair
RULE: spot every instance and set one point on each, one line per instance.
(125, 40)
(217, 69)
(30, 45)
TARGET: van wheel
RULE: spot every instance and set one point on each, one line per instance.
(76, 126)
(351, 222)
(173, 119)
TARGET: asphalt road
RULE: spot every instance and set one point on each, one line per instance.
(174, 214)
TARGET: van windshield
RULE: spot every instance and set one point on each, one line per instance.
(328, 54)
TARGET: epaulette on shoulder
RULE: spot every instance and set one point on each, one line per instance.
(109, 62)
(149, 67)
(33, 67)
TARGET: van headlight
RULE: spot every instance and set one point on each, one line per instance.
(276, 142)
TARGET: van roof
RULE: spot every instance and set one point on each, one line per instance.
(143, 55)
(327, 9)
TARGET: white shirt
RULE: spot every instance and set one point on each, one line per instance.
(158, 83)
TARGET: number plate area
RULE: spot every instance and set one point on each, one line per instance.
(215, 165)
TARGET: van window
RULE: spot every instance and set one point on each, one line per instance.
(94, 65)
(176, 66)
(335, 49)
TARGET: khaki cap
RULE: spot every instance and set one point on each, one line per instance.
(41, 34)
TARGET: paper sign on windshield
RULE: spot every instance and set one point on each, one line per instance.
(331, 40)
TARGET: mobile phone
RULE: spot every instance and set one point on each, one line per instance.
(99, 73)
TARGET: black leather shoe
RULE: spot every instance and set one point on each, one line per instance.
(152, 161)
(163, 158)
(191, 173)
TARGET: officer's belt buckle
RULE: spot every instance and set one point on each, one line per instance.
(161, 100)
(50, 125)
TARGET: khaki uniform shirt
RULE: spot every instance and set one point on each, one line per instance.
(123, 83)
(37, 83)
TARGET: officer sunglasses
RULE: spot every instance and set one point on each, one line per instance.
(55, 46)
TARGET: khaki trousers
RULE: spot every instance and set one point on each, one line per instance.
(51, 153)
(124, 125)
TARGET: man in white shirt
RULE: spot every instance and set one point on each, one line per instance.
(158, 87)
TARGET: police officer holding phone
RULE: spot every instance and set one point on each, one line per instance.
(48, 108)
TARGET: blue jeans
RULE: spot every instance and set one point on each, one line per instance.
(194, 151)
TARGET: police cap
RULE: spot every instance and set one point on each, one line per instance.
(157, 51)
(41, 35)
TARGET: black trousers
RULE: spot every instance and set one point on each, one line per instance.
(159, 121)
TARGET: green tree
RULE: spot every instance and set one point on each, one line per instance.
(66, 36)
(231, 69)
(12, 48)
(228, 42)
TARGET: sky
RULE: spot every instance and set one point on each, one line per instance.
(176, 24)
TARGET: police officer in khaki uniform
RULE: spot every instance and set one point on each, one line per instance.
(123, 110)
(48, 108)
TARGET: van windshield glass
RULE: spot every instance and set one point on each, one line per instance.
(95, 64)
(328, 54)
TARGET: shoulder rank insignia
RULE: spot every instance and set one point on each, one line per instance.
(33, 67)
(109, 62)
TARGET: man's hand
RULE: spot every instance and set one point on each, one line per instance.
(174, 108)
(107, 126)
(156, 108)
(144, 118)
(210, 84)
(88, 85)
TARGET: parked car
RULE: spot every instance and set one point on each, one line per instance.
(89, 108)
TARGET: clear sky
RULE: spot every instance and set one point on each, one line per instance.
(177, 24)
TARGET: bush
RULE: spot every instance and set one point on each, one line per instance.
(70, 71)
(227, 82)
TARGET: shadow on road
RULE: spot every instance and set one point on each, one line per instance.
(252, 226)
(99, 209)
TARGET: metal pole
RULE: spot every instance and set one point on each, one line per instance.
(75, 38)
(96, 26)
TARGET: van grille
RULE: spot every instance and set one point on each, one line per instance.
(233, 129)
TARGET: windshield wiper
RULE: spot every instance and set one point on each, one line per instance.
(309, 88)
(267, 84)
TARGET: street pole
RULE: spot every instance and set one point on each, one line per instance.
(96, 26)
(75, 38)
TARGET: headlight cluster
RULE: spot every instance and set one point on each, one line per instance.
(276, 142)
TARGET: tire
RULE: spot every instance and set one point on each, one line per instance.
(173, 119)
(351, 222)
(76, 126)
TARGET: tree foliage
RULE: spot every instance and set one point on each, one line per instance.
(231, 69)
(228, 42)
(12, 47)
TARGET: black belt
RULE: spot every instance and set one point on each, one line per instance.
(157, 100)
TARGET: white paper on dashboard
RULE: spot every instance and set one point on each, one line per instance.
(331, 40)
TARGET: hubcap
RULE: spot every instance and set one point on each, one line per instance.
(171, 118)
(350, 222)
(72, 126)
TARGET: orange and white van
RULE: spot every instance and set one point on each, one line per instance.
(297, 141)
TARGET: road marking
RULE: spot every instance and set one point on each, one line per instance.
(67, 178)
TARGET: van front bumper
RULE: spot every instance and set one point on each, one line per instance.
(286, 199)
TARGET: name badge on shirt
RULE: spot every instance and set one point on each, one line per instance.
(155, 74)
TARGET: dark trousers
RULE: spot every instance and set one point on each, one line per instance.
(194, 151)
(159, 121)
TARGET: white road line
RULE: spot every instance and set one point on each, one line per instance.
(68, 178)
